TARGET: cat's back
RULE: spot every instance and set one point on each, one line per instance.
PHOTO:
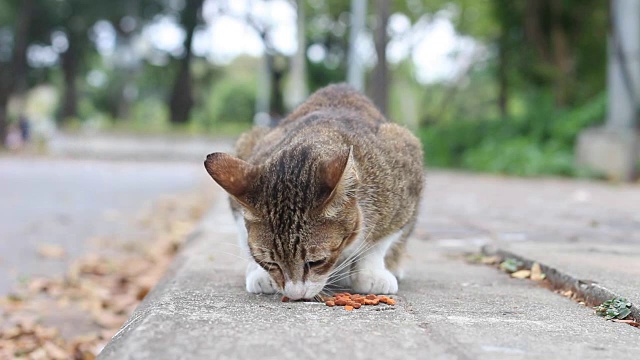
(333, 112)
(333, 118)
(335, 102)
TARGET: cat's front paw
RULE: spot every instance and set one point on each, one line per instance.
(258, 281)
(378, 281)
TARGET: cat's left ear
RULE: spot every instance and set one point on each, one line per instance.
(341, 176)
(233, 174)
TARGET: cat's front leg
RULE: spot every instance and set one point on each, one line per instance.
(258, 280)
(370, 274)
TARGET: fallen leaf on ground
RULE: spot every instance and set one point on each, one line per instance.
(490, 260)
(103, 288)
(51, 251)
(630, 322)
(521, 274)
(536, 272)
(54, 351)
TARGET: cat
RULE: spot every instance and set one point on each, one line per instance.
(328, 195)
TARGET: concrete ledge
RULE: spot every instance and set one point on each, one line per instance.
(613, 152)
(591, 291)
(446, 309)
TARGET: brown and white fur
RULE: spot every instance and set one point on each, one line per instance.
(328, 196)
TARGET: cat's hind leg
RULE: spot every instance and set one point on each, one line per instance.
(394, 258)
(370, 274)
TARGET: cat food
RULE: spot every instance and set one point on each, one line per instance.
(355, 301)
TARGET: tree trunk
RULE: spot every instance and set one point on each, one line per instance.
(561, 55)
(533, 28)
(355, 66)
(503, 83)
(380, 77)
(278, 70)
(70, 67)
(4, 122)
(13, 75)
(181, 100)
(298, 89)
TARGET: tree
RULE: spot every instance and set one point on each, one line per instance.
(181, 100)
(14, 72)
(380, 77)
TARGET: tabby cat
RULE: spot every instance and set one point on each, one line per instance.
(326, 197)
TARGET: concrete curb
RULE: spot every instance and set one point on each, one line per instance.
(200, 310)
(593, 293)
(154, 298)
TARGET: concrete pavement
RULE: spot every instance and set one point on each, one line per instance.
(446, 307)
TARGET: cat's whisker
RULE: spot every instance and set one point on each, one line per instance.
(355, 256)
(234, 255)
(338, 279)
(348, 260)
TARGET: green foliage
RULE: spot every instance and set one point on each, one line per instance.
(229, 101)
(511, 265)
(616, 308)
(150, 113)
(540, 141)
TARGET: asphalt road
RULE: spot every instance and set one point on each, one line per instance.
(69, 202)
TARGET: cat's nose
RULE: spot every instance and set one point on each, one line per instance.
(294, 290)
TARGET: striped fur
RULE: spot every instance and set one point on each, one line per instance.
(332, 174)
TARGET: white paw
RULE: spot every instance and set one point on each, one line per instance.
(375, 281)
(258, 281)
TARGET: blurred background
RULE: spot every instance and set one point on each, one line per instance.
(497, 85)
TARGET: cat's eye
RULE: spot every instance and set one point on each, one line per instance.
(315, 263)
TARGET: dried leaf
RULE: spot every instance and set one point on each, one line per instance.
(51, 251)
(521, 274)
(101, 290)
(490, 260)
(108, 320)
(536, 272)
(630, 322)
(54, 351)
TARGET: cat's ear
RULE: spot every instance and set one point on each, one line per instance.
(341, 177)
(233, 174)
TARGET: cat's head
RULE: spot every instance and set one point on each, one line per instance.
(300, 211)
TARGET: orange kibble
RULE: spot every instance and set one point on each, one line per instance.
(341, 302)
(330, 303)
(391, 302)
(357, 305)
(368, 302)
(348, 307)
(361, 300)
(375, 302)
(371, 297)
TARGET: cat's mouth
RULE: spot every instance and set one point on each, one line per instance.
(302, 290)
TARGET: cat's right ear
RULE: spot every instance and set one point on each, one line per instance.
(233, 174)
